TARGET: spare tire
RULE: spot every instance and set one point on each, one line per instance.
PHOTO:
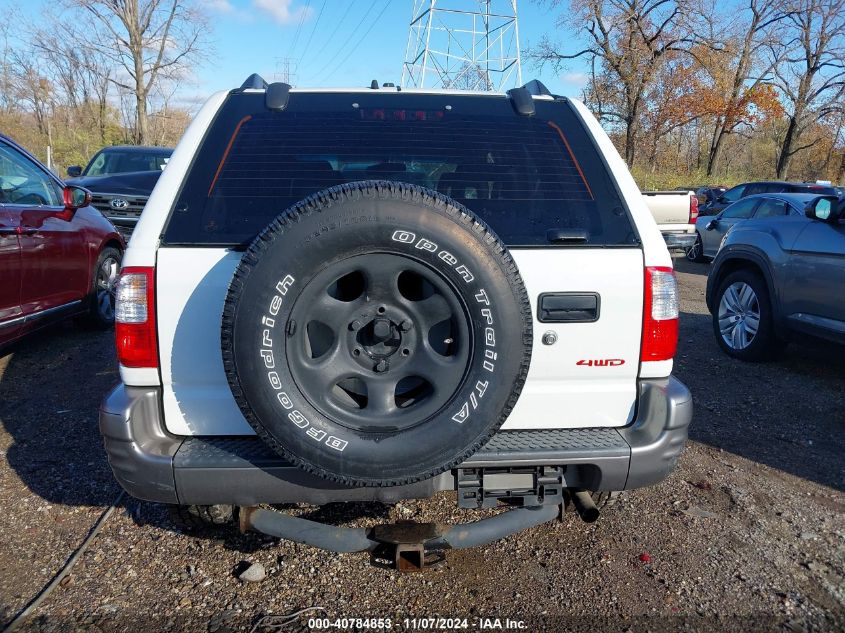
(376, 334)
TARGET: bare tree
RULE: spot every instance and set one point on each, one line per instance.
(736, 65)
(840, 173)
(629, 39)
(149, 41)
(8, 90)
(34, 88)
(82, 74)
(812, 78)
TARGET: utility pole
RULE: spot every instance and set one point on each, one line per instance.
(463, 44)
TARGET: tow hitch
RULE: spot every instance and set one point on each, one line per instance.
(407, 546)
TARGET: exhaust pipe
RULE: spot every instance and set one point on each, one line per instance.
(585, 507)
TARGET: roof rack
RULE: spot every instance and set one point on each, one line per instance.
(254, 82)
(522, 98)
(537, 88)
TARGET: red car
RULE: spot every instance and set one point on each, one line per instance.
(59, 256)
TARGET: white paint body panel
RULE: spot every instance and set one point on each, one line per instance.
(191, 285)
(142, 247)
(558, 393)
(197, 398)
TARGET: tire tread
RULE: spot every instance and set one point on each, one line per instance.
(382, 190)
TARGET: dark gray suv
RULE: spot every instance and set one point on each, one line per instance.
(778, 276)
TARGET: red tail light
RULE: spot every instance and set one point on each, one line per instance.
(135, 324)
(693, 209)
(660, 314)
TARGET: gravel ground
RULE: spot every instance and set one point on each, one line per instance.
(747, 534)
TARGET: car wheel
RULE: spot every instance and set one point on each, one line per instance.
(376, 334)
(742, 320)
(101, 300)
(695, 253)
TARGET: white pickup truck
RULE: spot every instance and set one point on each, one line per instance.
(675, 213)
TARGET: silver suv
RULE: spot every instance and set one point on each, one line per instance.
(779, 275)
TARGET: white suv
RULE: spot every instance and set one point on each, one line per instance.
(379, 294)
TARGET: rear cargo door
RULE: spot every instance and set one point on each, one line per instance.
(538, 181)
(585, 360)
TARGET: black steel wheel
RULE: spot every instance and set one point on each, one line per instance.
(376, 334)
(382, 342)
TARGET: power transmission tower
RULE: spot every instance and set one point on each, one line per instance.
(463, 44)
(285, 70)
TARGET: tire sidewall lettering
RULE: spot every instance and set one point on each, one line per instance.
(267, 297)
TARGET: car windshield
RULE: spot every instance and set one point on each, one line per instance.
(123, 161)
(733, 194)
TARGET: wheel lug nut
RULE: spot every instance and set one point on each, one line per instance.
(381, 366)
(406, 325)
(355, 325)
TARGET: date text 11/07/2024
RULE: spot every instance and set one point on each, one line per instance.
(419, 624)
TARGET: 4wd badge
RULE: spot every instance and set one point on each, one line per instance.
(604, 362)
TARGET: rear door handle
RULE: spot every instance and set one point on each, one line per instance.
(568, 307)
(562, 236)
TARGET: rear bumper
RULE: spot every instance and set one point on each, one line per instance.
(679, 240)
(154, 465)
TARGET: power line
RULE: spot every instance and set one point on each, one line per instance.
(311, 37)
(363, 37)
(337, 26)
(348, 39)
(299, 27)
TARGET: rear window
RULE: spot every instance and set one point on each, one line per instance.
(525, 176)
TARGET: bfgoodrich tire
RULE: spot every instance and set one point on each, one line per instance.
(376, 334)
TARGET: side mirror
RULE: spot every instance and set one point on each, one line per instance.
(76, 197)
(824, 208)
(74, 171)
(712, 224)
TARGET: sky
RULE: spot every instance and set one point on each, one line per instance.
(331, 43)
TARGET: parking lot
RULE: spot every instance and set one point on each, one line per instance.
(747, 534)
